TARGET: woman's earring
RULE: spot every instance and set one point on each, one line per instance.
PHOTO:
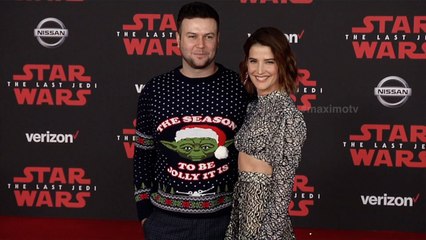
(245, 79)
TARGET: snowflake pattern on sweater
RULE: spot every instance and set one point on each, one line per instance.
(185, 160)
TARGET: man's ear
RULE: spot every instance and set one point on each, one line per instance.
(218, 39)
(178, 38)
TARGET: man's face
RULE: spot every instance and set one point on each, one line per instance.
(198, 40)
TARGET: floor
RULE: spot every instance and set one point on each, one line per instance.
(50, 228)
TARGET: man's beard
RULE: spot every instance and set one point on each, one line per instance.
(194, 65)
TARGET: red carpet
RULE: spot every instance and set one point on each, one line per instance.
(51, 228)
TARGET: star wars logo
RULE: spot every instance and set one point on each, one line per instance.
(386, 145)
(277, 1)
(307, 91)
(53, 187)
(52, 85)
(391, 37)
(150, 34)
(303, 197)
(128, 138)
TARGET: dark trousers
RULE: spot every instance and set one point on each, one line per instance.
(162, 225)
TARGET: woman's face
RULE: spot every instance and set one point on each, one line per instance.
(262, 69)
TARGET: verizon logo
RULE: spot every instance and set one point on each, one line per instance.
(393, 201)
(49, 137)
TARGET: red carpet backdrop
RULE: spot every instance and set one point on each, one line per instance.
(71, 72)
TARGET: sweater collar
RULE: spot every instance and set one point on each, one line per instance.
(215, 75)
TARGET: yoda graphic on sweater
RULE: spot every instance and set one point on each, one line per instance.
(198, 142)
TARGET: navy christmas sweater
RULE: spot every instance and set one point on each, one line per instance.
(185, 160)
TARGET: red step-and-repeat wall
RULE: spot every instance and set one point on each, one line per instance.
(71, 72)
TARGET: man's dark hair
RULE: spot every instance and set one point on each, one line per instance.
(197, 10)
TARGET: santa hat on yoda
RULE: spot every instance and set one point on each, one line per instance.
(206, 131)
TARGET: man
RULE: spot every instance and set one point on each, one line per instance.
(185, 163)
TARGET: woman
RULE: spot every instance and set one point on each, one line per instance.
(269, 142)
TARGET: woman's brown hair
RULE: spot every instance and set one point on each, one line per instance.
(280, 47)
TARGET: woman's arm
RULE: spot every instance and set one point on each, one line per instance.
(285, 150)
